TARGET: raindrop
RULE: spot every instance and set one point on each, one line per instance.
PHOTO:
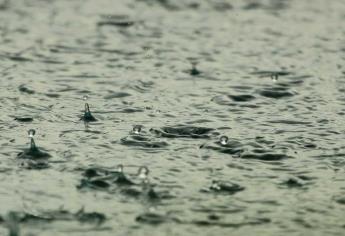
(137, 129)
(120, 168)
(215, 185)
(33, 152)
(121, 177)
(31, 133)
(194, 71)
(274, 77)
(225, 187)
(147, 189)
(88, 117)
(223, 140)
(143, 174)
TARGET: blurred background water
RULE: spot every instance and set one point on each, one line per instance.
(267, 74)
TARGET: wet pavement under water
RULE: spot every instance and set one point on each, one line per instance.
(269, 75)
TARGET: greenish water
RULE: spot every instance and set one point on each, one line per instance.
(268, 75)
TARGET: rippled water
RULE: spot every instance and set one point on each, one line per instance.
(266, 74)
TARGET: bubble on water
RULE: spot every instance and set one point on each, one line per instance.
(137, 129)
(274, 77)
(31, 133)
(143, 173)
(223, 140)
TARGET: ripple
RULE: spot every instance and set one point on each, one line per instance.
(141, 86)
(122, 21)
(117, 95)
(182, 131)
(155, 219)
(292, 183)
(100, 178)
(276, 92)
(209, 223)
(267, 73)
(222, 187)
(58, 215)
(290, 122)
(24, 89)
(265, 156)
(139, 141)
(33, 154)
(232, 147)
(340, 200)
(241, 98)
(24, 119)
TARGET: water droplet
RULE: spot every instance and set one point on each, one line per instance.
(194, 71)
(137, 129)
(223, 140)
(152, 209)
(31, 133)
(88, 117)
(143, 173)
(274, 77)
(120, 168)
(215, 185)
(87, 108)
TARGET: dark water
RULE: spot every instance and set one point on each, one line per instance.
(267, 74)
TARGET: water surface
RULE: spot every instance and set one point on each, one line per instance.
(267, 74)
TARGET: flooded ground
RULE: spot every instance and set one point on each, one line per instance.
(269, 75)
